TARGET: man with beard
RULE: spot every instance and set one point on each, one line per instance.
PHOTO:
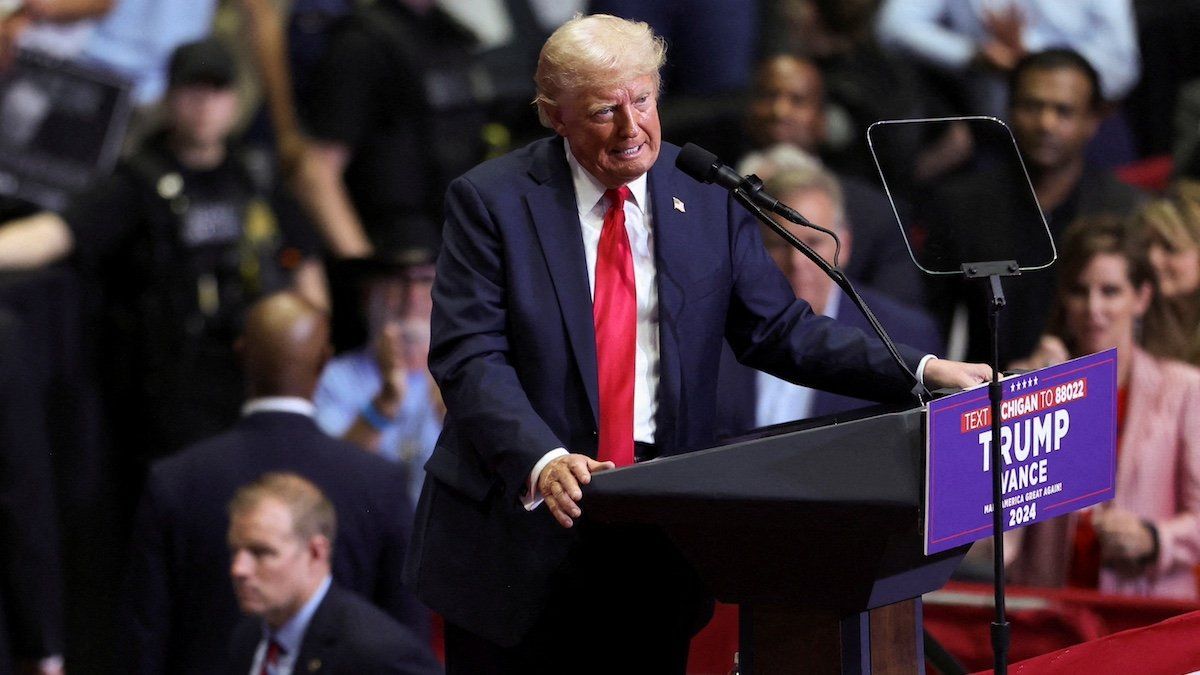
(1054, 111)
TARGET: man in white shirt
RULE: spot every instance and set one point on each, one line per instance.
(748, 398)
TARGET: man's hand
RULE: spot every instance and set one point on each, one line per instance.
(946, 374)
(1003, 47)
(1125, 539)
(390, 356)
(560, 483)
(998, 56)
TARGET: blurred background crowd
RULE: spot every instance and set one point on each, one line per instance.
(220, 222)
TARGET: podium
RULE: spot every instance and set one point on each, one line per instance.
(814, 529)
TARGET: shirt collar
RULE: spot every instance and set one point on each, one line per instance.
(589, 190)
(288, 404)
(291, 634)
(833, 302)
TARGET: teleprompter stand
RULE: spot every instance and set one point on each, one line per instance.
(992, 273)
(816, 532)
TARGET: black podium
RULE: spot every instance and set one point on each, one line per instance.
(814, 530)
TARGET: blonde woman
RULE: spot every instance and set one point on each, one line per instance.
(1170, 230)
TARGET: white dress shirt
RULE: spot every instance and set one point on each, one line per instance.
(289, 636)
(589, 198)
(781, 401)
(589, 195)
(287, 404)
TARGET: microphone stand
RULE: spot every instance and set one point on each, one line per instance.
(993, 272)
(743, 196)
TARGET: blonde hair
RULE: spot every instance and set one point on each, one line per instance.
(312, 513)
(776, 159)
(594, 52)
(815, 178)
(1175, 222)
(1172, 324)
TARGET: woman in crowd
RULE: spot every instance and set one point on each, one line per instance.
(1146, 541)
(1170, 229)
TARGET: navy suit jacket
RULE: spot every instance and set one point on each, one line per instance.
(346, 636)
(180, 605)
(514, 353)
(737, 388)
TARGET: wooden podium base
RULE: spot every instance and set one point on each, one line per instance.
(782, 640)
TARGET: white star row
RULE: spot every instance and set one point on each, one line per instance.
(1021, 385)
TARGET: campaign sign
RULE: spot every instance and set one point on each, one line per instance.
(1058, 450)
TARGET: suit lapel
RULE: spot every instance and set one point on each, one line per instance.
(670, 245)
(556, 222)
(320, 638)
(245, 641)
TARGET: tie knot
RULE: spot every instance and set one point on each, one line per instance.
(617, 196)
(274, 651)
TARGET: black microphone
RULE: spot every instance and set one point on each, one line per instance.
(704, 166)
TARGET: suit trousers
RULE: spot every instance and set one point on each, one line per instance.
(625, 601)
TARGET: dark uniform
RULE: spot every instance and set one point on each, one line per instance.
(180, 255)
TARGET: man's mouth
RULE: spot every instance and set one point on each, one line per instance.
(629, 153)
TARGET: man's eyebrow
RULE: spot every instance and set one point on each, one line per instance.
(599, 105)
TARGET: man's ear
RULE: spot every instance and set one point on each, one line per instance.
(319, 548)
(554, 114)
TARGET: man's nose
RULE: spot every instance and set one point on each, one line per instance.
(781, 106)
(1047, 118)
(627, 124)
(239, 565)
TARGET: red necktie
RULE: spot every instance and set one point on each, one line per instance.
(614, 311)
(271, 660)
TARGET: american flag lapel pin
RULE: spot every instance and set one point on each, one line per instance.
(678, 204)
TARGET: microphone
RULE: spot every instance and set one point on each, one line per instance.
(704, 166)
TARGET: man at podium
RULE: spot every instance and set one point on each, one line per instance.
(582, 294)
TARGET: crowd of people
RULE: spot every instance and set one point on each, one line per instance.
(282, 308)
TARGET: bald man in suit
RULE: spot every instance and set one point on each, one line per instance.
(180, 608)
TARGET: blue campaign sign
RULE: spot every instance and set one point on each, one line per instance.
(1058, 447)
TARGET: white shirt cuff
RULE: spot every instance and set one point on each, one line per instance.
(921, 367)
(532, 498)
